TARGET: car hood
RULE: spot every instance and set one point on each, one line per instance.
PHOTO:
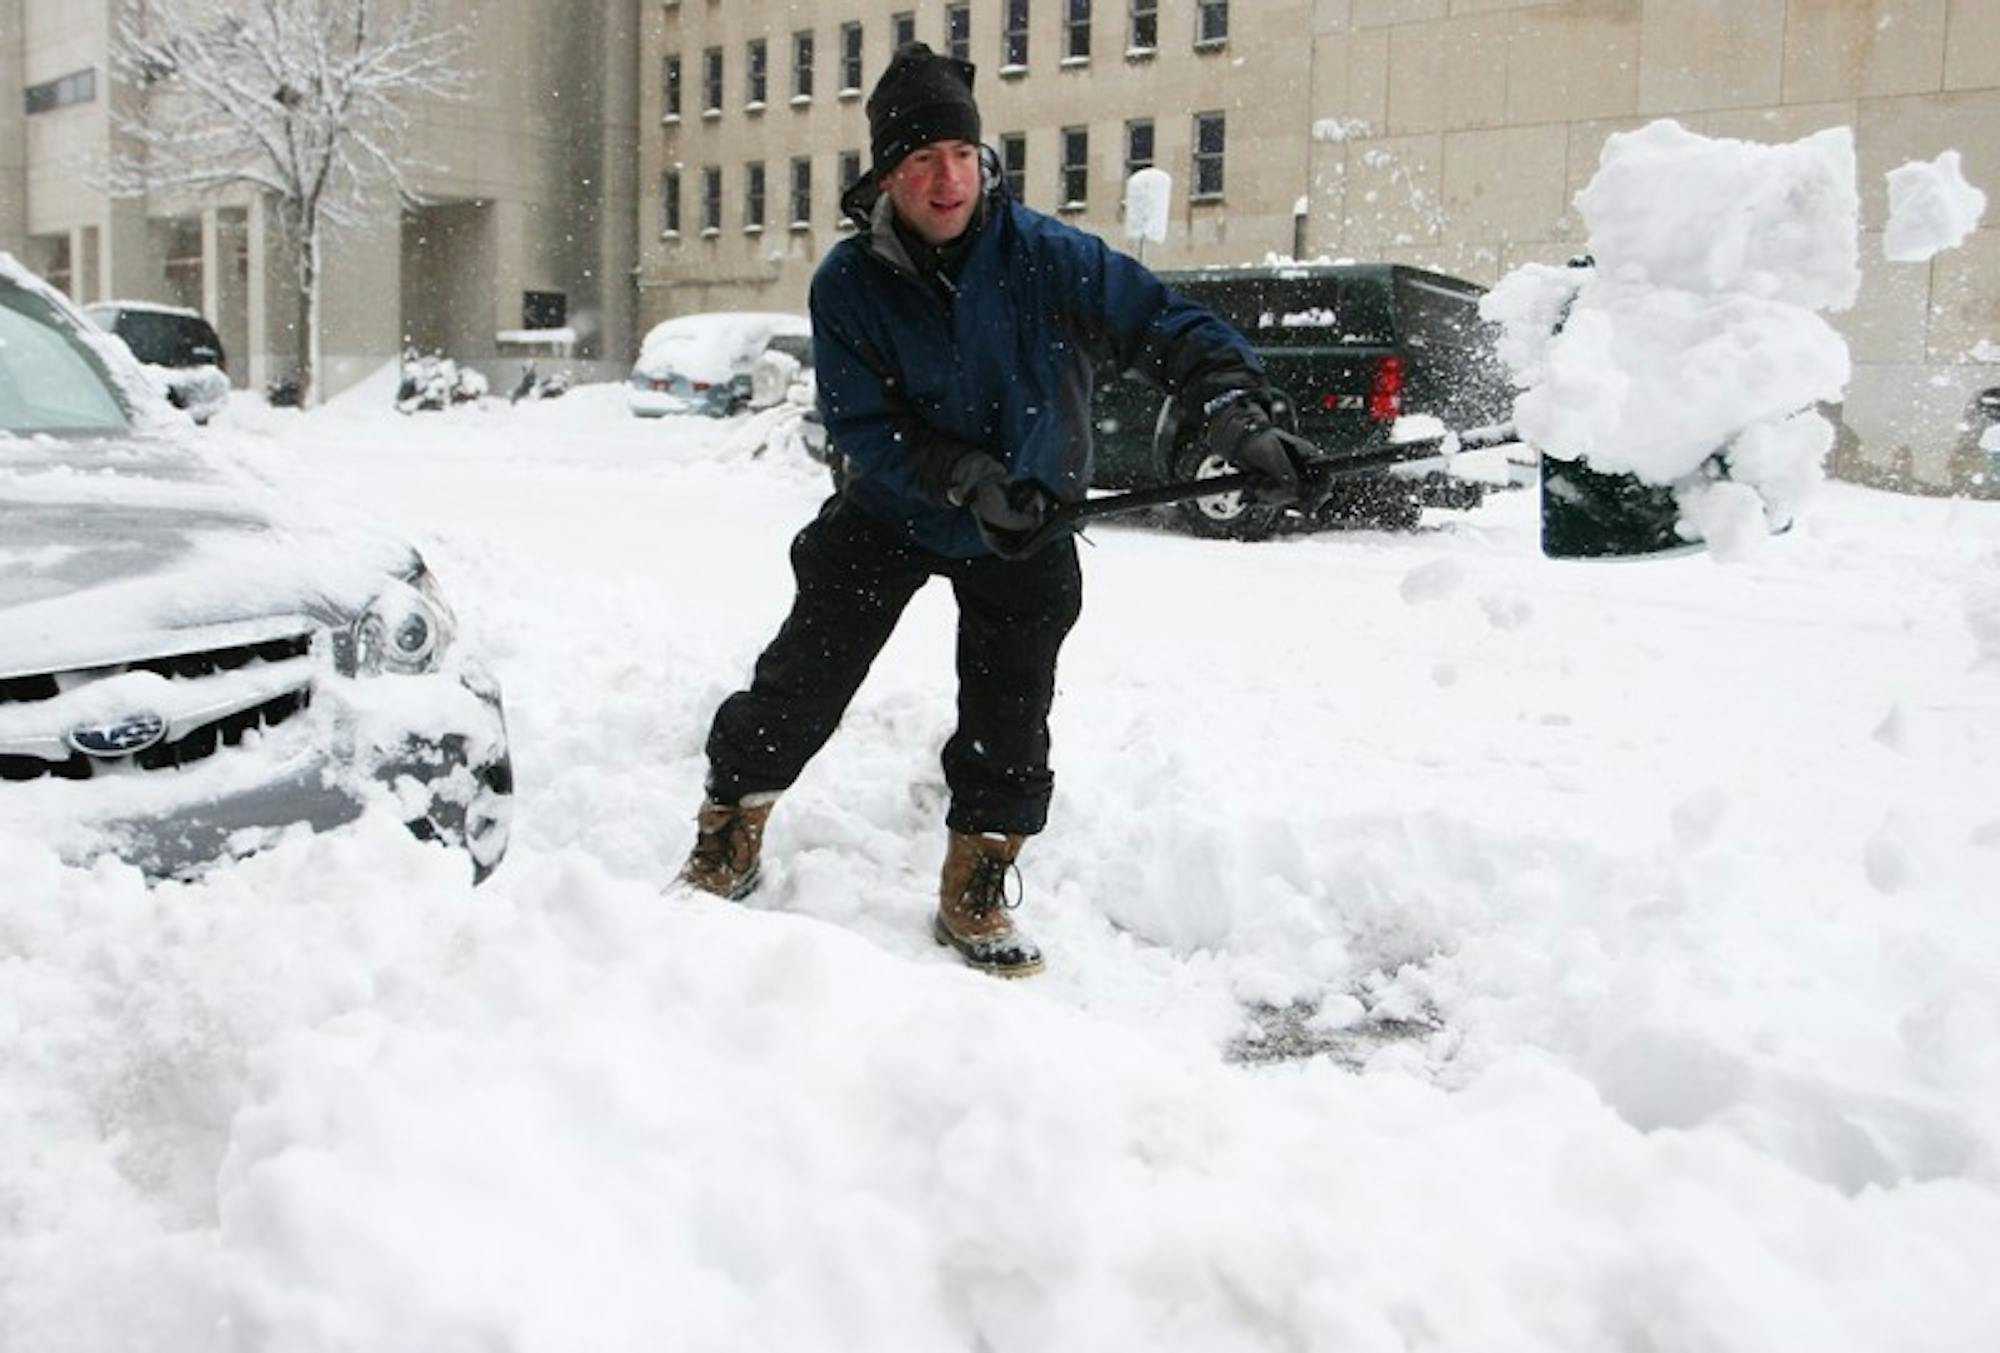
(114, 551)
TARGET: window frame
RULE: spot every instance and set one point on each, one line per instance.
(670, 87)
(1200, 158)
(902, 29)
(1140, 13)
(1204, 10)
(853, 48)
(1073, 175)
(670, 204)
(804, 55)
(1076, 32)
(1133, 164)
(753, 197)
(958, 45)
(712, 71)
(65, 91)
(801, 204)
(756, 73)
(1014, 36)
(1015, 175)
(711, 201)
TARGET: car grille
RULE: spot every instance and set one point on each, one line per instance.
(192, 745)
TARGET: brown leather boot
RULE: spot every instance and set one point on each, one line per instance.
(729, 838)
(973, 905)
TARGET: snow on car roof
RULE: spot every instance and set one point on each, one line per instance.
(714, 346)
(146, 307)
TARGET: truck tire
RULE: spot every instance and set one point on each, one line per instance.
(1226, 516)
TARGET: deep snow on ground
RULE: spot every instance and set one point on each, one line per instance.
(1646, 912)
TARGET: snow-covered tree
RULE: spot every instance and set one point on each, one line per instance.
(306, 101)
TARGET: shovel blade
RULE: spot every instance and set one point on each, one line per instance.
(1590, 515)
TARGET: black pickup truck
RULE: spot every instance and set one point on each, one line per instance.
(1355, 347)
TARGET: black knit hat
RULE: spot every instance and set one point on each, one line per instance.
(921, 98)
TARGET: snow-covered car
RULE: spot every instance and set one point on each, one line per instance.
(180, 351)
(704, 363)
(189, 664)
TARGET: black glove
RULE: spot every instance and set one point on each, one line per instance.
(1006, 512)
(1241, 433)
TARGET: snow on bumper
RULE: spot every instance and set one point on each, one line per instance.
(431, 748)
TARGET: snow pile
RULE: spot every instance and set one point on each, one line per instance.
(1625, 1044)
(1931, 208)
(1695, 341)
(1148, 199)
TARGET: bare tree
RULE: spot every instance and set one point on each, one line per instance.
(303, 100)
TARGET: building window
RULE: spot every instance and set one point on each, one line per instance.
(850, 173)
(1014, 164)
(1014, 37)
(753, 196)
(1145, 26)
(670, 89)
(903, 28)
(850, 58)
(758, 61)
(1076, 31)
(76, 87)
(802, 67)
(544, 309)
(670, 202)
(1211, 23)
(958, 31)
(802, 191)
(711, 80)
(1075, 184)
(1138, 145)
(711, 199)
(1208, 139)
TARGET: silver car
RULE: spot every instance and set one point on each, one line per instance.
(190, 667)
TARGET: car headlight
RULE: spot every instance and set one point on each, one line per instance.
(405, 630)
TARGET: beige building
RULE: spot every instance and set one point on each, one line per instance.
(528, 219)
(1451, 133)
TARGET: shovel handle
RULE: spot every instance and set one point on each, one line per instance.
(1317, 477)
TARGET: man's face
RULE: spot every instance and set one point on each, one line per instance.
(936, 188)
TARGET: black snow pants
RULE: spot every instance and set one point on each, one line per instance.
(855, 576)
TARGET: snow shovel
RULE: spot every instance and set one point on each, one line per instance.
(1319, 474)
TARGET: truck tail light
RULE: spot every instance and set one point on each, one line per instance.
(1385, 391)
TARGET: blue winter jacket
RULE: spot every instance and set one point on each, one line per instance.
(914, 371)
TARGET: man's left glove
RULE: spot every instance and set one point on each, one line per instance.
(1241, 433)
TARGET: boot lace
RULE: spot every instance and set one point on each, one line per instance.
(988, 888)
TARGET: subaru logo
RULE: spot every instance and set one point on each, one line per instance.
(133, 733)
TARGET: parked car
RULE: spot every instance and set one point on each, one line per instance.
(179, 349)
(703, 363)
(189, 665)
(785, 364)
(1356, 348)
